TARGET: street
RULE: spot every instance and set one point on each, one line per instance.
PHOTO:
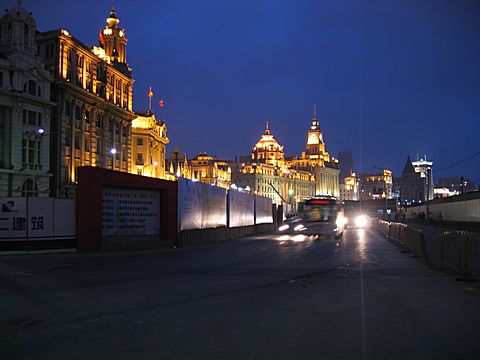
(259, 297)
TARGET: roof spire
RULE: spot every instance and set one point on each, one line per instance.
(314, 111)
(267, 130)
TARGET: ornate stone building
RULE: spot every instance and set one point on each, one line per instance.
(319, 162)
(149, 140)
(25, 108)
(207, 169)
(268, 175)
(92, 86)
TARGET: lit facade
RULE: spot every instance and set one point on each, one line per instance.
(211, 171)
(319, 162)
(377, 186)
(149, 141)
(416, 184)
(424, 169)
(92, 88)
(267, 175)
(25, 108)
(349, 188)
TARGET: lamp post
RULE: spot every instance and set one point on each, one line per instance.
(113, 151)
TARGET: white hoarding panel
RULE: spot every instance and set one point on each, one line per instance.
(130, 212)
(201, 205)
(241, 209)
(64, 215)
(215, 210)
(13, 223)
(263, 210)
(40, 215)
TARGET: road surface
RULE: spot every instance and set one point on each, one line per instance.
(261, 297)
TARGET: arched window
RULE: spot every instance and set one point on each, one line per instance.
(26, 34)
(10, 33)
(29, 188)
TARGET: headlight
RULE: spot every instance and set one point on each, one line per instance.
(341, 221)
(283, 227)
(361, 221)
(299, 227)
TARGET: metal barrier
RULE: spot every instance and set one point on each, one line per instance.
(450, 249)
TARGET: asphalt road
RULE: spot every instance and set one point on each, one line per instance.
(264, 297)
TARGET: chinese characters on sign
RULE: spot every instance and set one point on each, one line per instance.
(129, 212)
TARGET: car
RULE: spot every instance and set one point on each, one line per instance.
(293, 225)
(359, 221)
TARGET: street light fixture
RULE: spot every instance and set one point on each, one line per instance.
(113, 151)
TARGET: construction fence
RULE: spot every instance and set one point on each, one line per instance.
(456, 250)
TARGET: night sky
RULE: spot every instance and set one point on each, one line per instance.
(390, 78)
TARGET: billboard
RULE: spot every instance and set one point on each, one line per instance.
(130, 212)
(241, 209)
(201, 205)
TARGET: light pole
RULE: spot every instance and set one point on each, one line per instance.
(113, 151)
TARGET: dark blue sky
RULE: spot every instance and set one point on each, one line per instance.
(390, 78)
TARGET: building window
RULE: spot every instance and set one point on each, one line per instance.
(30, 87)
(77, 140)
(26, 33)
(69, 54)
(140, 141)
(68, 137)
(87, 144)
(87, 116)
(99, 149)
(80, 61)
(100, 121)
(31, 153)
(68, 108)
(1, 79)
(9, 33)
(139, 160)
(78, 112)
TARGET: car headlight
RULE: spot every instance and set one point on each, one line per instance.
(361, 221)
(283, 227)
(299, 227)
(341, 220)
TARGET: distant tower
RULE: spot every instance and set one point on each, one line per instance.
(113, 39)
(315, 144)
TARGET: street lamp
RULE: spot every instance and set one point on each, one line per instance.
(113, 151)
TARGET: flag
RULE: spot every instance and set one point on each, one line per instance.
(150, 92)
(162, 103)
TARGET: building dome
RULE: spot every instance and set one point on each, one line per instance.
(268, 142)
(19, 13)
(268, 150)
(113, 20)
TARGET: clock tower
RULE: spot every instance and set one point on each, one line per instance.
(315, 144)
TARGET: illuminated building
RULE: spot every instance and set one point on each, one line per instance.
(267, 175)
(349, 188)
(376, 186)
(416, 183)
(149, 140)
(318, 161)
(424, 168)
(25, 108)
(211, 171)
(92, 87)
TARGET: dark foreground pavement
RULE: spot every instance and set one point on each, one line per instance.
(265, 297)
